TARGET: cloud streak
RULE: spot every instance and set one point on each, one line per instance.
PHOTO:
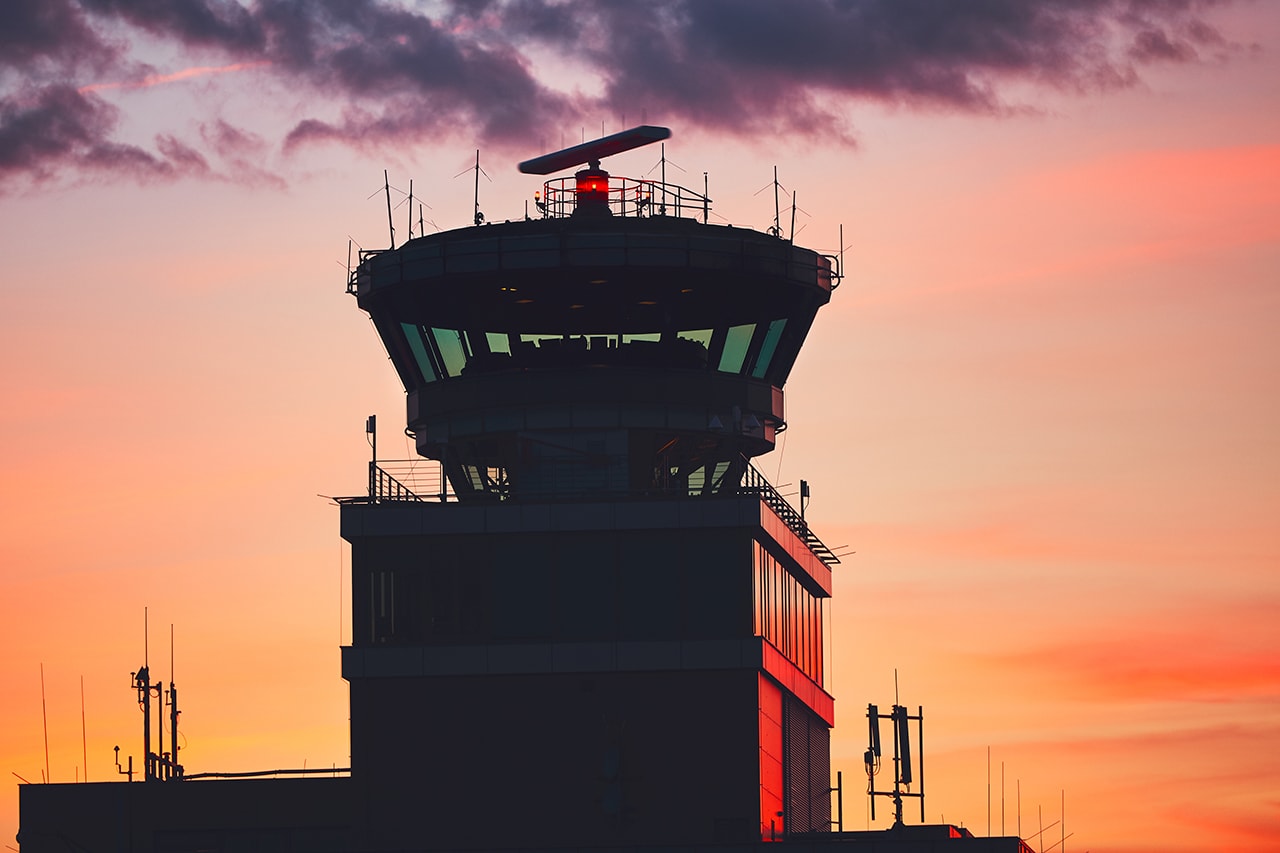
(1158, 661)
(177, 76)
(392, 73)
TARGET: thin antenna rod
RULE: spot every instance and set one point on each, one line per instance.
(478, 217)
(410, 209)
(920, 745)
(777, 232)
(706, 202)
(44, 713)
(793, 216)
(84, 735)
(386, 184)
(174, 769)
(144, 690)
(842, 250)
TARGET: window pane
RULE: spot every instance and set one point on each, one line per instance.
(414, 336)
(769, 346)
(498, 342)
(702, 336)
(536, 339)
(735, 347)
(449, 343)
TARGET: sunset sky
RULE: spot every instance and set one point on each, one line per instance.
(1043, 408)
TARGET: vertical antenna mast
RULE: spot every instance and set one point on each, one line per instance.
(84, 736)
(479, 217)
(386, 184)
(410, 209)
(157, 767)
(777, 232)
(175, 769)
(841, 250)
(662, 208)
(44, 714)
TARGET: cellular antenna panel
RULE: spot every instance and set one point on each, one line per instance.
(593, 151)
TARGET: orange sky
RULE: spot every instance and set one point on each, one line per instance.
(1043, 408)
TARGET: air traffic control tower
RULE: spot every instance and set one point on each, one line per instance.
(599, 625)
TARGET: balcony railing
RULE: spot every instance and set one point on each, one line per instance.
(408, 480)
(627, 197)
(754, 481)
(423, 480)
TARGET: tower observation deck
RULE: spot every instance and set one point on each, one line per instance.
(606, 614)
(604, 347)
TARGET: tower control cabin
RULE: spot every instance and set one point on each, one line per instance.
(600, 625)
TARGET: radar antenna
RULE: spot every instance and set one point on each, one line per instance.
(591, 153)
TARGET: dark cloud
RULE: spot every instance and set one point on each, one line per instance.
(417, 75)
(393, 74)
(39, 36)
(224, 24)
(742, 64)
(41, 128)
(56, 127)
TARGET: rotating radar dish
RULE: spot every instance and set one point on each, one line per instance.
(593, 151)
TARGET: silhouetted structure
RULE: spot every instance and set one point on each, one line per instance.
(582, 620)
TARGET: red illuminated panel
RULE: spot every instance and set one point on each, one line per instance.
(771, 826)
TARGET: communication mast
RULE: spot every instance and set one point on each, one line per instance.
(903, 773)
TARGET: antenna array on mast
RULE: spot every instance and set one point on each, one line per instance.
(903, 772)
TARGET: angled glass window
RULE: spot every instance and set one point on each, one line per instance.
(736, 343)
(452, 353)
(413, 335)
(498, 342)
(768, 348)
(702, 336)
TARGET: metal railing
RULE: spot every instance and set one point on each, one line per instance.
(408, 480)
(627, 197)
(754, 481)
(423, 480)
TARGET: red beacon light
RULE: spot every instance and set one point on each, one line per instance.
(591, 191)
